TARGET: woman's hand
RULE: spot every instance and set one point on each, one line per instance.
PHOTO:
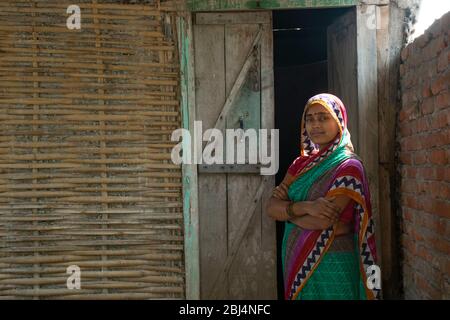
(281, 192)
(325, 209)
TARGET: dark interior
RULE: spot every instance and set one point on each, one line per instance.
(300, 71)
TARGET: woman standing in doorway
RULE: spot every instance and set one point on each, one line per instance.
(328, 244)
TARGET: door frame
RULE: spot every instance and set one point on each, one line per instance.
(188, 115)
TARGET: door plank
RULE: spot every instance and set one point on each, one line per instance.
(268, 250)
(209, 50)
(342, 69)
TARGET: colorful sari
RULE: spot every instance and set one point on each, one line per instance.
(316, 263)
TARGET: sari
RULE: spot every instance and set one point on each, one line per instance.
(316, 263)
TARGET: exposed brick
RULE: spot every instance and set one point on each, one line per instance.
(443, 61)
(438, 157)
(441, 208)
(420, 157)
(424, 137)
(427, 290)
(440, 119)
(443, 100)
(423, 40)
(406, 158)
(408, 215)
(427, 105)
(441, 83)
(423, 124)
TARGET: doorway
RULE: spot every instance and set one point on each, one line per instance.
(300, 71)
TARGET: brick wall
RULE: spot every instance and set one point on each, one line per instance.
(424, 155)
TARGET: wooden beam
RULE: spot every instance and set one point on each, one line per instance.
(224, 18)
(223, 5)
(390, 39)
(189, 171)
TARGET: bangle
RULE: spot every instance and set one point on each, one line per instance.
(289, 210)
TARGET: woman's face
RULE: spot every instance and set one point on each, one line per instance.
(320, 125)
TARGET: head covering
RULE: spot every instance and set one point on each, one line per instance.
(310, 154)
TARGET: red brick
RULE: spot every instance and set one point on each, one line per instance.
(433, 223)
(420, 157)
(435, 139)
(409, 185)
(425, 288)
(441, 83)
(443, 173)
(411, 172)
(408, 244)
(428, 70)
(427, 105)
(426, 173)
(411, 202)
(406, 158)
(438, 189)
(423, 40)
(426, 89)
(440, 120)
(443, 100)
(444, 190)
(410, 80)
(424, 253)
(441, 227)
(445, 266)
(423, 124)
(423, 186)
(411, 143)
(408, 214)
(416, 235)
(409, 98)
(428, 53)
(441, 245)
(441, 208)
(429, 140)
(403, 115)
(405, 129)
(441, 43)
(444, 136)
(438, 157)
(443, 60)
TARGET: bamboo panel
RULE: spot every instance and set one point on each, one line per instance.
(86, 176)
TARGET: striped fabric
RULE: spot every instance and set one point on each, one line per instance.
(335, 170)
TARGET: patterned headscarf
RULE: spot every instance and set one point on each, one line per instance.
(310, 155)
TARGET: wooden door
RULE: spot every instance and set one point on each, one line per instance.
(352, 76)
(234, 88)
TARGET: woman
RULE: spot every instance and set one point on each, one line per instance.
(324, 198)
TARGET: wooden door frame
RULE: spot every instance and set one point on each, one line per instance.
(189, 171)
(188, 114)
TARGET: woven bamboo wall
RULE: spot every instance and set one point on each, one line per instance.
(85, 172)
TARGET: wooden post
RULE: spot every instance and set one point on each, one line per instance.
(190, 185)
(390, 39)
